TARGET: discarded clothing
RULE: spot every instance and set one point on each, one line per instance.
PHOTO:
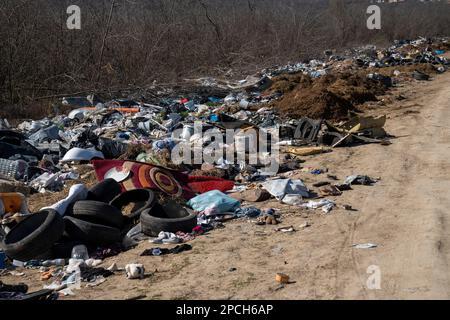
(91, 274)
(249, 212)
(164, 251)
(103, 253)
(167, 238)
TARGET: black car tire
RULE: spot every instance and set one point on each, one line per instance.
(91, 233)
(168, 218)
(98, 212)
(34, 236)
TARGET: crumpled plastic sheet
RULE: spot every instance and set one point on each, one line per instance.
(325, 204)
(282, 187)
(52, 181)
(47, 134)
(359, 179)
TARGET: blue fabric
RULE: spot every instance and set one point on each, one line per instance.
(250, 212)
(161, 145)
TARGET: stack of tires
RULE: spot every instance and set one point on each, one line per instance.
(95, 222)
(102, 220)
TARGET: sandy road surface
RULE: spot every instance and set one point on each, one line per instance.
(406, 214)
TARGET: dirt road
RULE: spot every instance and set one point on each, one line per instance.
(405, 214)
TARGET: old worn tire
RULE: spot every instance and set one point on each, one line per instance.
(420, 76)
(34, 236)
(170, 218)
(91, 233)
(104, 191)
(98, 212)
(142, 198)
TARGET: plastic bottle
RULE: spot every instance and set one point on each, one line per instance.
(80, 252)
(56, 262)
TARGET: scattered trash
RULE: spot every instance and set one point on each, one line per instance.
(123, 149)
(286, 229)
(164, 251)
(135, 271)
(256, 195)
(282, 278)
(361, 180)
(113, 267)
(330, 191)
(365, 246)
(325, 204)
(220, 201)
(305, 225)
(321, 184)
(282, 187)
(167, 238)
(420, 76)
(267, 219)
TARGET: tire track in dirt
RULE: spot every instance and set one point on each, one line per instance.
(404, 213)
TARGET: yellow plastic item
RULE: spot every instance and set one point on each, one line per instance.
(305, 151)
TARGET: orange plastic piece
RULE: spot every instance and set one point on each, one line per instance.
(12, 202)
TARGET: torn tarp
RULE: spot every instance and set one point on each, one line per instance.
(282, 187)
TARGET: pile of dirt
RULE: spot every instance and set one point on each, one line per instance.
(288, 82)
(441, 46)
(330, 97)
(406, 70)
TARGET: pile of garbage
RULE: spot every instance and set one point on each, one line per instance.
(140, 193)
(405, 52)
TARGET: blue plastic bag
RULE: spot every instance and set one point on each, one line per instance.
(216, 199)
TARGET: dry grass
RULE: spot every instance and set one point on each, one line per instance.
(169, 40)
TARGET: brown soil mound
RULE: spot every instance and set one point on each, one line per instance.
(286, 83)
(407, 70)
(330, 97)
